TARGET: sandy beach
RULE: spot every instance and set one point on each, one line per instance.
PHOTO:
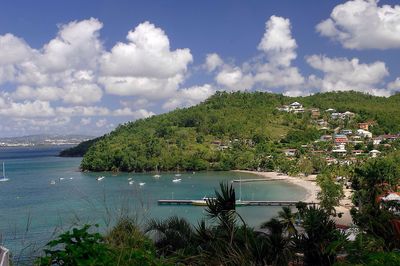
(312, 189)
(308, 183)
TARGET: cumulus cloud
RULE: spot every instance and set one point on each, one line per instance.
(189, 96)
(342, 74)
(62, 70)
(272, 69)
(277, 42)
(145, 65)
(362, 24)
(137, 114)
(394, 85)
(213, 61)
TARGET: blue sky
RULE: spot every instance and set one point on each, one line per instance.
(86, 66)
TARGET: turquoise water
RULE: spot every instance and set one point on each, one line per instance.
(31, 208)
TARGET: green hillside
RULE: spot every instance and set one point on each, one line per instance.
(230, 131)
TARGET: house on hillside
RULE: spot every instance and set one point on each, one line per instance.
(340, 139)
(326, 138)
(364, 133)
(377, 140)
(357, 152)
(315, 113)
(284, 108)
(346, 132)
(364, 126)
(296, 107)
(349, 114)
(390, 137)
(374, 153)
(290, 152)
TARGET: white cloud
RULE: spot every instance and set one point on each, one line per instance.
(137, 114)
(343, 74)
(270, 70)
(362, 24)
(277, 42)
(394, 85)
(213, 61)
(77, 46)
(145, 66)
(189, 96)
(233, 78)
(101, 123)
(35, 108)
(62, 70)
(85, 121)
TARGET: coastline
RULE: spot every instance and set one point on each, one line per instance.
(312, 189)
(308, 184)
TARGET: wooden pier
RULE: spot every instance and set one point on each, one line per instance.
(257, 180)
(238, 203)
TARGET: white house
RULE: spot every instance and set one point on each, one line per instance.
(290, 152)
(364, 133)
(374, 153)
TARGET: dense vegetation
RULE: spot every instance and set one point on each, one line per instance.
(80, 149)
(228, 131)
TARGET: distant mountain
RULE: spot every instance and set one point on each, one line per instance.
(231, 131)
(41, 140)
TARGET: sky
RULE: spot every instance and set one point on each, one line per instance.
(84, 67)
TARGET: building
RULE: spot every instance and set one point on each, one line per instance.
(377, 140)
(326, 138)
(290, 152)
(363, 126)
(341, 139)
(315, 113)
(364, 133)
(374, 153)
(357, 152)
(346, 132)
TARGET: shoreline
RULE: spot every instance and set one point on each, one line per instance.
(308, 184)
(312, 189)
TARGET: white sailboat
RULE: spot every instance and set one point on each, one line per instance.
(176, 180)
(3, 178)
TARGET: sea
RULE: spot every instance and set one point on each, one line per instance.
(47, 194)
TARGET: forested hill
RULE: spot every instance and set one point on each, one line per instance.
(229, 131)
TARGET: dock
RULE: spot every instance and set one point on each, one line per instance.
(257, 180)
(238, 203)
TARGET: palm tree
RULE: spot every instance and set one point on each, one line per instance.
(280, 247)
(287, 219)
(321, 240)
(172, 235)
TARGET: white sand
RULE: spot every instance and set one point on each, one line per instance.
(307, 183)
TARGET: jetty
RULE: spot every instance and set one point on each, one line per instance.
(238, 203)
(257, 180)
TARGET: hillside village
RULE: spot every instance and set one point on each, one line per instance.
(343, 140)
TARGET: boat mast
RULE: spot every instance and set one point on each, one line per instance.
(240, 189)
(4, 171)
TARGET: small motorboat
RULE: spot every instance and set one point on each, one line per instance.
(130, 178)
(142, 184)
(52, 182)
(99, 178)
(176, 180)
(177, 174)
(156, 176)
(131, 182)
